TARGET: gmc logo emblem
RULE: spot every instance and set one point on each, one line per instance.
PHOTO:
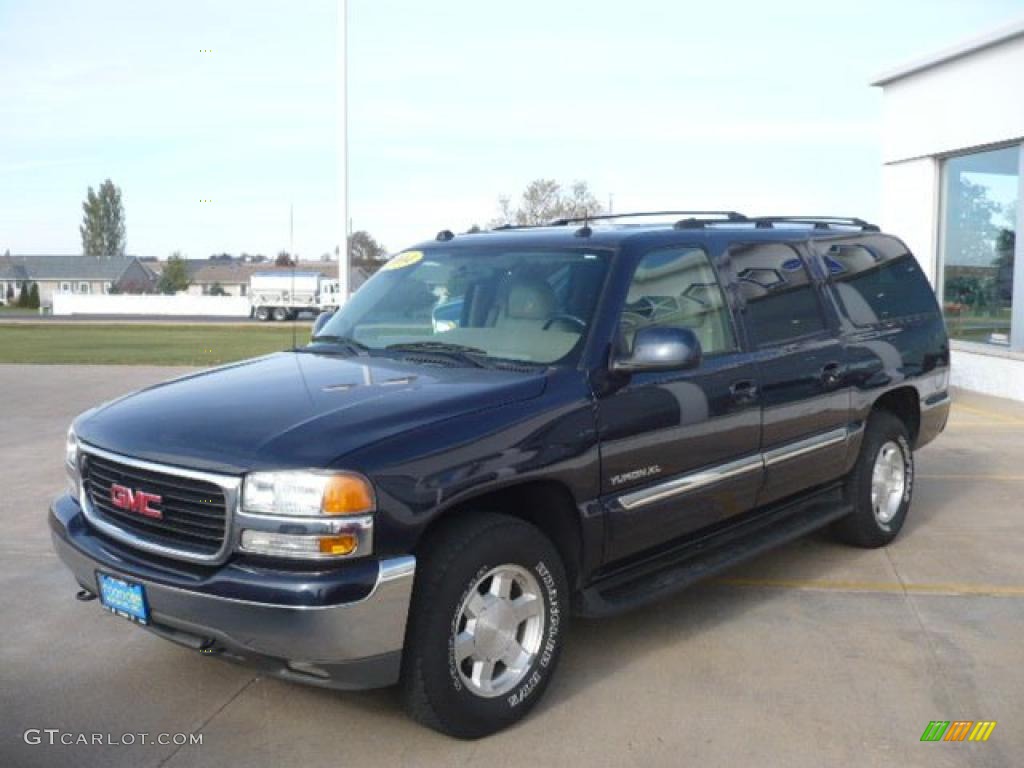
(138, 502)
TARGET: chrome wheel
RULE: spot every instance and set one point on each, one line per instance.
(498, 630)
(888, 482)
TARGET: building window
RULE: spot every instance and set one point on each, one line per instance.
(83, 288)
(980, 206)
(65, 287)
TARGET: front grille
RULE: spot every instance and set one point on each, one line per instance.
(194, 512)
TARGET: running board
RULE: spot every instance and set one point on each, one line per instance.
(653, 578)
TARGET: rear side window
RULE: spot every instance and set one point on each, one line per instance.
(876, 280)
(781, 301)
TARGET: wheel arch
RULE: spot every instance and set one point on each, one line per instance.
(547, 504)
(905, 404)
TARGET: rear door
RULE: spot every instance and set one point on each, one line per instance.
(679, 449)
(801, 365)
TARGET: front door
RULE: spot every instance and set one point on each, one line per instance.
(679, 449)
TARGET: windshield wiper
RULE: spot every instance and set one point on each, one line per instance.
(458, 352)
(356, 347)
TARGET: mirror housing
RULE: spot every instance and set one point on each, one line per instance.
(660, 349)
(321, 320)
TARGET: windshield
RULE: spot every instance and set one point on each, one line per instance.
(531, 306)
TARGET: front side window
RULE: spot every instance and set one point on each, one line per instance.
(677, 288)
(979, 234)
(781, 300)
(532, 306)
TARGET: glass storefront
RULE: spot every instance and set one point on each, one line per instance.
(980, 205)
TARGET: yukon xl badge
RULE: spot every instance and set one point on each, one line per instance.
(636, 474)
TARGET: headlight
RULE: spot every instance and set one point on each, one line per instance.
(71, 462)
(325, 515)
(306, 494)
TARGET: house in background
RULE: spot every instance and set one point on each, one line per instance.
(953, 189)
(74, 274)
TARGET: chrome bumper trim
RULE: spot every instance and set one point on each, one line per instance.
(327, 634)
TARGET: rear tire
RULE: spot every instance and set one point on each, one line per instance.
(281, 314)
(486, 626)
(881, 485)
(262, 314)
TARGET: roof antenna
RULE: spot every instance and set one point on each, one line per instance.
(585, 230)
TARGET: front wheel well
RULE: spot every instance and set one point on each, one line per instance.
(547, 504)
(905, 404)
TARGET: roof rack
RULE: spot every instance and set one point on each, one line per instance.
(701, 219)
(818, 222)
(727, 215)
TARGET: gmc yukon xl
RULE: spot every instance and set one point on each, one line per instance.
(502, 430)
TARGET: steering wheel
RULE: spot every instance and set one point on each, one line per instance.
(571, 318)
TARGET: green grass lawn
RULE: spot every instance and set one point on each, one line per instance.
(143, 344)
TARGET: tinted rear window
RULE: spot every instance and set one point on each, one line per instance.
(877, 280)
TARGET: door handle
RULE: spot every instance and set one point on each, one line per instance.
(743, 391)
(831, 374)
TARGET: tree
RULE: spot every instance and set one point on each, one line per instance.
(174, 278)
(284, 259)
(363, 248)
(33, 296)
(23, 298)
(103, 230)
(544, 200)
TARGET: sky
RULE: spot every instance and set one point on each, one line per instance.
(757, 107)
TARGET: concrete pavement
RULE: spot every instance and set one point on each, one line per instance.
(814, 655)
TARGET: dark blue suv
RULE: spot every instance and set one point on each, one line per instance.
(502, 430)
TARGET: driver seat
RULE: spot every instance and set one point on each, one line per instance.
(530, 303)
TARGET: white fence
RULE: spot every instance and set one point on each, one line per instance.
(150, 304)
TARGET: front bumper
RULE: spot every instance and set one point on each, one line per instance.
(340, 628)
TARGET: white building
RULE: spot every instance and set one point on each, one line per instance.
(953, 189)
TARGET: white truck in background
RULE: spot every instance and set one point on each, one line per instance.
(283, 295)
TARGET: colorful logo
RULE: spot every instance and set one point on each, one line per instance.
(958, 730)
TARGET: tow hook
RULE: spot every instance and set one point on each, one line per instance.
(84, 595)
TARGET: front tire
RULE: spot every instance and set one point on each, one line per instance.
(486, 627)
(262, 314)
(881, 484)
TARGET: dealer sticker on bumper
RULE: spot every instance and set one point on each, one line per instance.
(125, 598)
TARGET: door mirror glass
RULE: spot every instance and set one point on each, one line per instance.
(660, 349)
(321, 321)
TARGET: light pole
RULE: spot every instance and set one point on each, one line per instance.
(343, 257)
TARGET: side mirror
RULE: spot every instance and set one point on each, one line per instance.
(321, 321)
(660, 349)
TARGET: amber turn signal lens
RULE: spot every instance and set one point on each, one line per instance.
(338, 545)
(347, 495)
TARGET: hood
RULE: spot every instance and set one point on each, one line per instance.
(293, 409)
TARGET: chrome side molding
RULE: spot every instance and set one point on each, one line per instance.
(703, 478)
(691, 482)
